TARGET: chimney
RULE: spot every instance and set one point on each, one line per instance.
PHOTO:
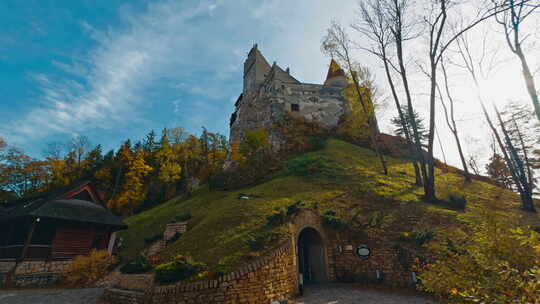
(288, 70)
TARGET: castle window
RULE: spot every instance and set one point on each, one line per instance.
(295, 107)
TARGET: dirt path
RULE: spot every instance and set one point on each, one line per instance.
(347, 294)
(51, 296)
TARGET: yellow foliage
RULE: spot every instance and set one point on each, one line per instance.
(356, 123)
(496, 263)
(254, 140)
(88, 269)
(169, 167)
(133, 193)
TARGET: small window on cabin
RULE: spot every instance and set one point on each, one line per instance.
(282, 87)
(295, 107)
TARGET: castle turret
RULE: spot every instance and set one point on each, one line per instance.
(255, 70)
(336, 76)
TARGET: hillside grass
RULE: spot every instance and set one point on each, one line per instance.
(346, 179)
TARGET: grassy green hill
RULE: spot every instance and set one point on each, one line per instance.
(342, 177)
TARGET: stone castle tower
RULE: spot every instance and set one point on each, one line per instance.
(270, 92)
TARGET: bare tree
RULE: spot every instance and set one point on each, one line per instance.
(512, 20)
(374, 24)
(54, 150)
(451, 120)
(338, 44)
(79, 146)
(440, 38)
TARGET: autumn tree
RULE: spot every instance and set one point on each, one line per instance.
(495, 261)
(169, 170)
(133, 189)
(338, 45)
(496, 169)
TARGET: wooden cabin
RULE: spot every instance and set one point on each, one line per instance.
(57, 225)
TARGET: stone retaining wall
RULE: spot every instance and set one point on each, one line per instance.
(33, 273)
(272, 278)
(122, 296)
(275, 277)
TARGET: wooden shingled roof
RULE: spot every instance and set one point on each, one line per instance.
(63, 203)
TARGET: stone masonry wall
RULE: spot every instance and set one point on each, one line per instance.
(275, 277)
(318, 103)
(34, 273)
(348, 266)
(272, 278)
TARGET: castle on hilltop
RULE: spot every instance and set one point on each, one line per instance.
(270, 93)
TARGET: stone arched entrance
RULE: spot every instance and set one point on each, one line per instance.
(311, 256)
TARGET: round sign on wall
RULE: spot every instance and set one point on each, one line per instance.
(363, 251)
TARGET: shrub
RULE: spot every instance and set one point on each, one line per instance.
(139, 265)
(495, 263)
(257, 241)
(88, 269)
(457, 201)
(183, 217)
(150, 240)
(330, 219)
(418, 237)
(180, 268)
(174, 238)
(277, 217)
(292, 209)
(317, 142)
(308, 164)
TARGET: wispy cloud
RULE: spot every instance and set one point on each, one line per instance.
(172, 57)
(111, 81)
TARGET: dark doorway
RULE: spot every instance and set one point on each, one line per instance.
(311, 258)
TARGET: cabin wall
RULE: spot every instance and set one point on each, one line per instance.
(72, 241)
(42, 268)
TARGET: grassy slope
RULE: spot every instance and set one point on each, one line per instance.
(349, 183)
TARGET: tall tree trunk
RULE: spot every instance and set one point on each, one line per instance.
(417, 174)
(529, 81)
(417, 143)
(525, 155)
(429, 185)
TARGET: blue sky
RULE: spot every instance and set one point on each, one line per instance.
(112, 70)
